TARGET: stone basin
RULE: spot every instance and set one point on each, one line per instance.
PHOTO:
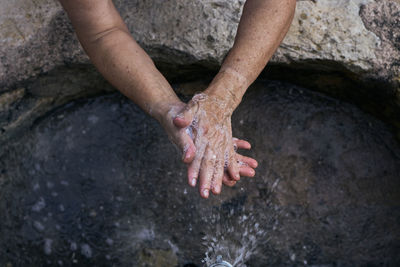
(97, 183)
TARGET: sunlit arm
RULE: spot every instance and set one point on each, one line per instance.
(107, 41)
(262, 27)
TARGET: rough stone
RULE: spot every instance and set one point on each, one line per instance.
(36, 36)
(9, 98)
(326, 30)
(383, 18)
(19, 108)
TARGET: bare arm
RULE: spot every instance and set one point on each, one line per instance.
(107, 41)
(262, 27)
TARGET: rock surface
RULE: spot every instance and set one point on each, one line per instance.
(331, 46)
(36, 35)
(96, 183)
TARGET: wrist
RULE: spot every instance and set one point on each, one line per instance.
(165, 110)
(228, 87)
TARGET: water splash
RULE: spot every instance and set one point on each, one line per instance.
(235, 238)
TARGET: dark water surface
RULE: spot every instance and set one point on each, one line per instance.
(97, 183)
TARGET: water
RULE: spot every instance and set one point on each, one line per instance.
(98, 183)
(234, 238)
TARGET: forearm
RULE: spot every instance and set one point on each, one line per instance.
(124, 63)
(117, 56)
(262, 27)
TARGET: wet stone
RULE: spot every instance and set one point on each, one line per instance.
(326, 192)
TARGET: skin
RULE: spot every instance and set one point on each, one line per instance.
(262, 27)
(210, 154)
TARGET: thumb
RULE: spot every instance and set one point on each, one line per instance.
(183, 119)
(188, 149)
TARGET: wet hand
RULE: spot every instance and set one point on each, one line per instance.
(246, 164)
(178, 136)
(207, 120)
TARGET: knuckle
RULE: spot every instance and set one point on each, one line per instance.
(209, 161)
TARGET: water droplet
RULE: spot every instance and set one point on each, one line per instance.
(64, 183)
(93, 119)
(293, 257)
(49, 184)
(86, 250)
(36, 187)
(109, 241)
(73, 246)
(39, 205)
(37, 166)
(47, 246)
(38, 226)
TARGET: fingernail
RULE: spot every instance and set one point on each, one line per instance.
(237, 176)
(194, 181)
(205, 192)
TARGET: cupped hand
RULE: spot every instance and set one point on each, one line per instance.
(207, 120)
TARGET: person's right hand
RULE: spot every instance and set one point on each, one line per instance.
(178, 136)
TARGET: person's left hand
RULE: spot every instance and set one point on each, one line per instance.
(208, 120)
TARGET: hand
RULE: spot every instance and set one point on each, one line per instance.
(178, 136)
(247, 165)
(207, 120)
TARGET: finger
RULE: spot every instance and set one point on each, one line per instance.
(206, 172)
(243, 160)
(185, 117)
(188, 148)
(194, 167)
(243, 171)
(246, 167)
(247, 171)
(189, 152)
(217, 178)
(241, 144)
(226, 180)
(233, 168)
